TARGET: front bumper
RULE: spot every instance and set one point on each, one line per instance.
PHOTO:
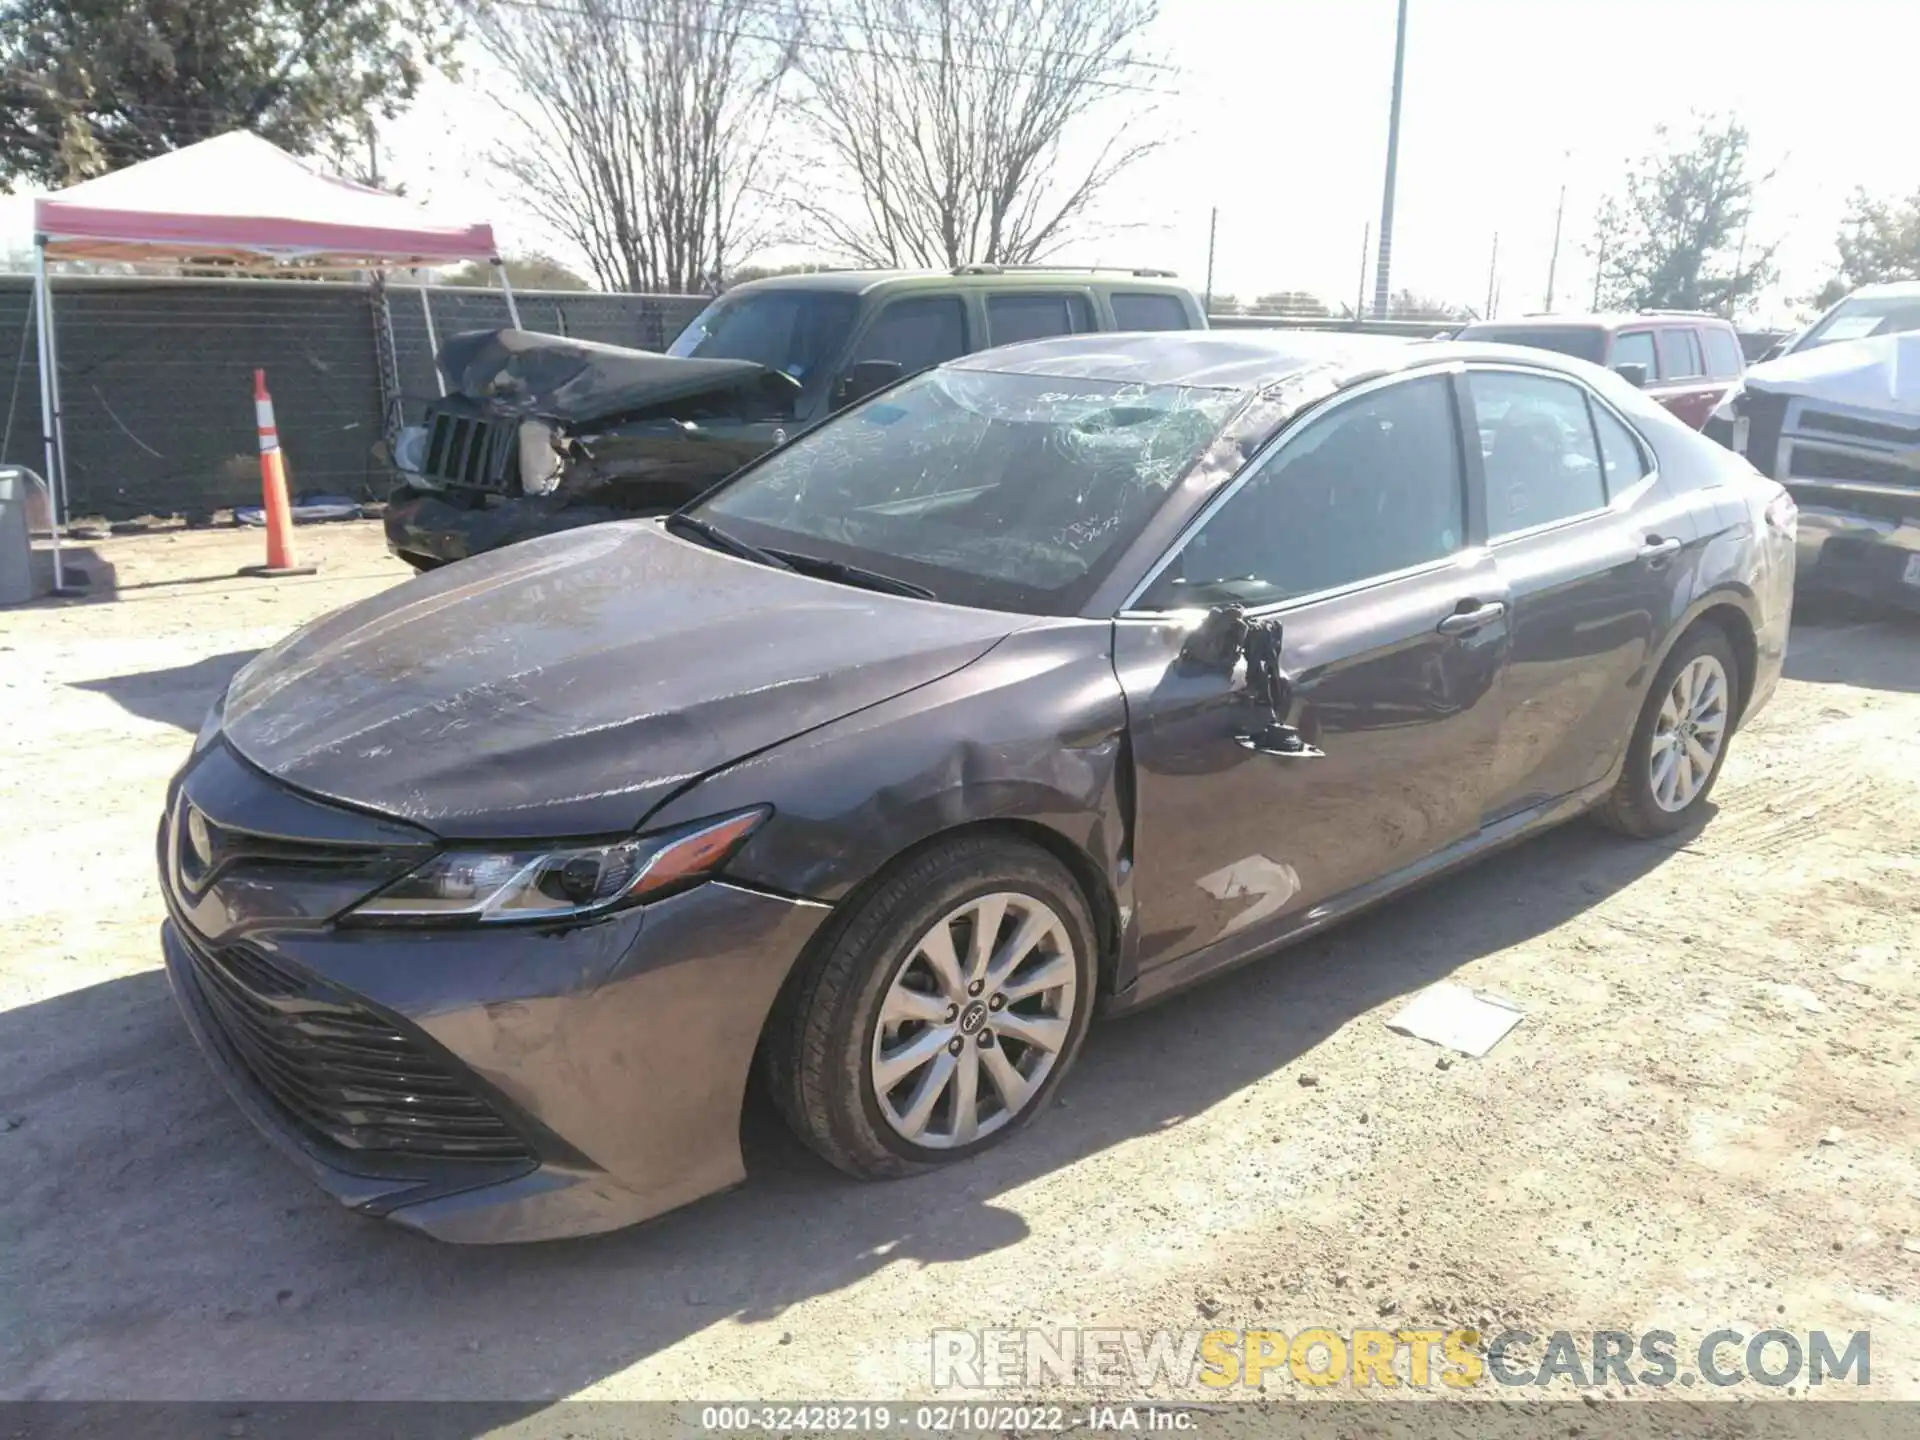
(424, 526)
(1870, 557)
(602, 1066)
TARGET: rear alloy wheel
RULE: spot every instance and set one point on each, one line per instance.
(1681, 738)
(942, 1012)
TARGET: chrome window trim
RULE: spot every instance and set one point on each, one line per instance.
(1444, 370)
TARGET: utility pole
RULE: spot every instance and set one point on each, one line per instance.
(1213, 231)
(1739, 268)
(1553, 261)
(1493, 268)
(1383, 268)
(1599, 270)
(1366, 243)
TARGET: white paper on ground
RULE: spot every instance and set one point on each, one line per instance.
(1458, 1018)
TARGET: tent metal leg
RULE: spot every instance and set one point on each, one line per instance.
(513, 310)
(49, 405)
(433, 338)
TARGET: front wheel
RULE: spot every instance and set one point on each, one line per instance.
(1680, 739)
(942, 1013)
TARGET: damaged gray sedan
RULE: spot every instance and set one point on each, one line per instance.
(1049, 681)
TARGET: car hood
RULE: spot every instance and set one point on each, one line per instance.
(567, 685)
(1882, 373)
(517, 372)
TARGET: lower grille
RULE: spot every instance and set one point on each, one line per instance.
(343, 1073)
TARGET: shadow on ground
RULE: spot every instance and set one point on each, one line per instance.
(179, 696)
(165, 1249)
(1847, 643)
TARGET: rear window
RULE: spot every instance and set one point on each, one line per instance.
(1013, 318)
(1583, 342)
(1134, 311)
(1723, 353)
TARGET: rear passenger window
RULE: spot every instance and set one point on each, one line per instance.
(1620, 453)
(1635, 348)
(917, 334)
(1679, 355)
(1133, 311)
(1723, 353)
(1538, 449)
(1013, 318)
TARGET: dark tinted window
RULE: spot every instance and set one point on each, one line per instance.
(1620, 453)
(1583, 342)
(916, 334)
(1538, 449)
(1010, 491)
(1013, 318)
(1371, 487)
(1723, 353)
(1149, 312)
(1635, 347)
(797, 331)
(1679, 354)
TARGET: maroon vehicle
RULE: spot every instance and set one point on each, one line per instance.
(1687, 360)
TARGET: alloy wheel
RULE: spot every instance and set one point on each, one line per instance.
(973, 1021)
(1688, 733)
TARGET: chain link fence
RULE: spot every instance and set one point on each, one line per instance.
(156, 378)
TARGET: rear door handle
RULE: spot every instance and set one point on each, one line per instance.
(1657, 549)
(1465, 622)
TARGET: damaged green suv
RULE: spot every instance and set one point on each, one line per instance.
(538, 433)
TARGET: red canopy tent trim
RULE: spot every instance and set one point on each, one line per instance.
(233, 200)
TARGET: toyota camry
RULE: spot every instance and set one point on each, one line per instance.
(1040, 684)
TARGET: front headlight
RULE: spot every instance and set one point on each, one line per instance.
(410, 450)
(493, 886)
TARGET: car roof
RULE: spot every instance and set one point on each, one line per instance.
(1246, 360)
(1887, 290)
(859, 282)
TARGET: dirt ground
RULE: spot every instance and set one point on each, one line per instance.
(1707, 1118)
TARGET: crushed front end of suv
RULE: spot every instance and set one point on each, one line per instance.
(1839, 425)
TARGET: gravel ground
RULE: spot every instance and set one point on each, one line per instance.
(1707, 1118)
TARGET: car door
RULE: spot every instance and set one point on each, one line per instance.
(1354, 533)
(1592, 553)
(913, 332)
(1685, 388)
(1017, 315)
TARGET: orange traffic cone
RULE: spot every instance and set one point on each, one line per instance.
(273, 490)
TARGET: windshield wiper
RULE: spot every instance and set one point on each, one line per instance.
(721, 540)
(853, 575)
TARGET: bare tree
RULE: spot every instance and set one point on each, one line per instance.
(944, 121)
(642, 126)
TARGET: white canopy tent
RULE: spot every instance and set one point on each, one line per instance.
(235, 201)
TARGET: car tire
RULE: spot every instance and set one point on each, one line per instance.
(1637, 805)
(828, 1049)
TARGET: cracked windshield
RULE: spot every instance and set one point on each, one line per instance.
(1006, 491)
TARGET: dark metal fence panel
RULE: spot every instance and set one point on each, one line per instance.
(157, 379)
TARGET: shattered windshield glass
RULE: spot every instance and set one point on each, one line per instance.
(798, 332)
(1007, 491)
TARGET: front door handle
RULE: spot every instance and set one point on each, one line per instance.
(1657, 550)
(1465, 622)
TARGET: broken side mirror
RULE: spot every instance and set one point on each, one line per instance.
(1220, 642)
(864, 378)
(1269, 686)
(1634, 373)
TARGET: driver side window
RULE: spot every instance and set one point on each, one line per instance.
(1372, 487)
